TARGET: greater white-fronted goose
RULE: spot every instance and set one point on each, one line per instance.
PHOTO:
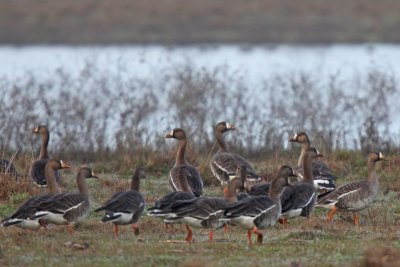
(8, 168)
(202, 212)
(298, 199)
(258, 212)
(354, 196)
(68, 208)
(184, 193)
(126, 207)
(224, 163)
(324, 178)
(37, 170)
(193, 175)
(23, 217)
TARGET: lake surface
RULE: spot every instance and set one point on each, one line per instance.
(255, 64)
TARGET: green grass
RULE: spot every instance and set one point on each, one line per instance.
(311, 242)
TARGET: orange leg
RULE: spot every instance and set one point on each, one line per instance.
(189, 237)
(249, 243)
(259, 235)
(135, 228)
(330, 214)
(211, 236)
(283, 221)
(115, 231)
(226, 228)
(355, 219)
(70, 229)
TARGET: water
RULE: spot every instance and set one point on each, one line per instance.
(254, 63)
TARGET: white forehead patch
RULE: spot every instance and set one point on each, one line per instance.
(380, 155)
(229, 126)
(295, 136)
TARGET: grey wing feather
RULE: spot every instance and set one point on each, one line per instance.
(225, 164)
(127, 201)
(298, 195)
(192, 175)
(28, 208)
(251, 206)
(62, 202)
(333, 196)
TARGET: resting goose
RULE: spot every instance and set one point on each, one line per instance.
(298, 199)
(37, 172)
(8, 168)
(202, 212)
(224, 164)
(125, 207)
(258, 212)
(67, 208)
(324, 178)
(354, 196)
(23, 216)
(193, 176)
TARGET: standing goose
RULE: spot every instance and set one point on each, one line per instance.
(324, 178)
(298, 199)
(354, 196)
(258, 212)
(192, 174)
(224, 164)
(68, 208)
(183, 193)
(203, 212)
(37, 170)
(23, 216)
(125, 207)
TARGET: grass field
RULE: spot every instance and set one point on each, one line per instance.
(311, 242)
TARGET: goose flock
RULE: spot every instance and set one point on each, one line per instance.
(248, 200)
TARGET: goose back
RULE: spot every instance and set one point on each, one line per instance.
(126, 207)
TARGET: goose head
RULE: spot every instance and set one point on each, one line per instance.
(139, 173)
(57, 164)
(40, 129)
(376, 156)
(281, 180)
(300, 137)
(176, 133)
(286, 171)
(314, 153)
(224, 126)
(86, 172)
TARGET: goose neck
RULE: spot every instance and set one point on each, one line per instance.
(230, 189)
(307, 169)
(45, 141)
(82, 186)
(304, 149)
(51, 180)
(222, 145)
(135, 182)
(180, 156)
(372, 176)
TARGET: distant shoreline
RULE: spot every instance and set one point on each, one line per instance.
(181, 22)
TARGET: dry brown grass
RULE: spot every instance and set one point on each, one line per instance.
(9, 187)
(382, 257)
